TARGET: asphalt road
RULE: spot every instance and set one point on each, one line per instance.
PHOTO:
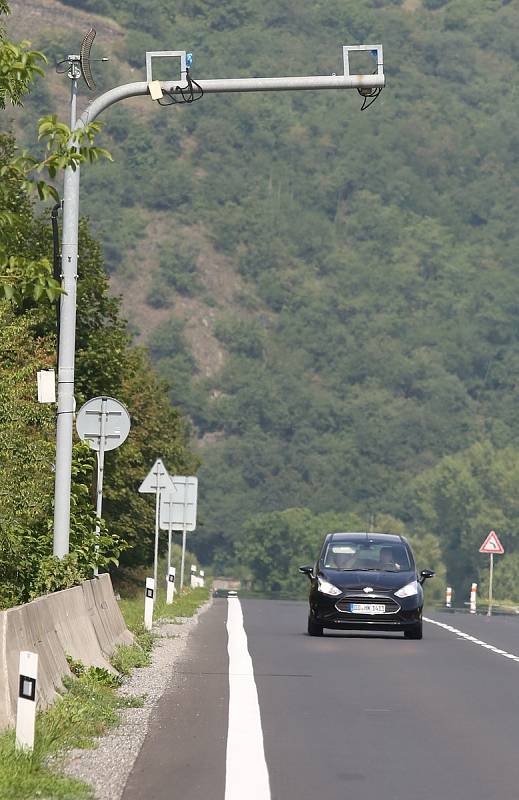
(361, 716)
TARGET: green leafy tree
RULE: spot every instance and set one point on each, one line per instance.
(273, 546)
(461, 500)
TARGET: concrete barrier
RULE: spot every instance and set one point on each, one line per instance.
(84, 622)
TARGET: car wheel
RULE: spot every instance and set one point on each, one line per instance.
(414, 633)
(314, 629)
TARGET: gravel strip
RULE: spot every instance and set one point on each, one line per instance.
(107, 767)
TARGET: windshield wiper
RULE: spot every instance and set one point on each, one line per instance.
(362, 569)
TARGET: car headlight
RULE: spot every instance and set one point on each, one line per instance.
(327, 588)
(408, 590)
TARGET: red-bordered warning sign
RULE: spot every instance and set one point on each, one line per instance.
(492, 544)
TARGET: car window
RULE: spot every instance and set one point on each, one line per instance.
(349, 555)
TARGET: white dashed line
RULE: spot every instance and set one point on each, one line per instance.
(246, 769)
(472, 639)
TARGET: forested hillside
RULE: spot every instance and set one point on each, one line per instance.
(333, 295)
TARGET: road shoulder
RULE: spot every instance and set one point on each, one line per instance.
(107, 767)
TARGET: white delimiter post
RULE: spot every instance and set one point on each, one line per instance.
(70, 240)
(170, 589)
(26, 707)
(473, 595)
(149, 600)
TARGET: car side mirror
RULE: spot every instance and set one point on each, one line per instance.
(307, 571)
(426, 573)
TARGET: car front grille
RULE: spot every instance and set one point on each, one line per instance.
(343, 605)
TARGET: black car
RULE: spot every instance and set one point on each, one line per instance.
(366, 581)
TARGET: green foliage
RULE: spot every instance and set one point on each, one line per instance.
(505, 581)
(460, 500)
(243, 337)
(19, 66)
(63, 148)
(128, 657)
(26, 281)
(273, 546)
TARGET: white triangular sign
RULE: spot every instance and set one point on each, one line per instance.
(492, 544)
(158, 479)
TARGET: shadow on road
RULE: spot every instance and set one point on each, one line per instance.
(331, 634)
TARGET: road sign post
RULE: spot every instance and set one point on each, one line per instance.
(180, 512)
(492, 546)
(166, 500)
(105, 424)
(157, 480)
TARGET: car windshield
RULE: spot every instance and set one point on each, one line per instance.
(366, 556)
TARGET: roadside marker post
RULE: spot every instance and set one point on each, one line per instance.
(26, 706)
(157, 480)
(170, 588)
(492, 546)
(473, 594)
(149, 602)
(202, 577)
(105, 424)
(448, 597)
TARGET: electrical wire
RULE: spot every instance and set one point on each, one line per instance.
(371, 96)
(188, 94)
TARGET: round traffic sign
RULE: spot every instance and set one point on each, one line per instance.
(103, 418)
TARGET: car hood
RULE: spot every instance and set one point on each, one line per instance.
(351, 581)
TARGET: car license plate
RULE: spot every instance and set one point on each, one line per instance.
(367, 608)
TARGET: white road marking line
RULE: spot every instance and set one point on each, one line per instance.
(246, 769)
(473, 639)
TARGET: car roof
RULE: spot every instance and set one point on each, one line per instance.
(373, 537)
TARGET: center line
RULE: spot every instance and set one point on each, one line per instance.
(246, 769)
(473, 639)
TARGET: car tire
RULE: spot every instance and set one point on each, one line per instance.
(415, 632)
(314, 629)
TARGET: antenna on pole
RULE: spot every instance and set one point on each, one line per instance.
(78, 66)
(84, 58)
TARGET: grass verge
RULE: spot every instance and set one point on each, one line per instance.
(184, 605)
(87, 709)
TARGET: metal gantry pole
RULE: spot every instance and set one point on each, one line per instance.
(65, 409)
(67, 345)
